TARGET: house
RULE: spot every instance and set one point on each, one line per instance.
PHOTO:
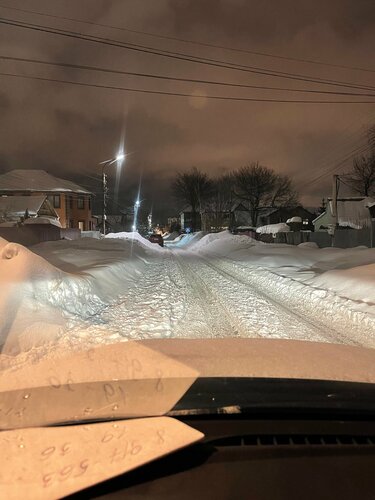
(27, 209)
(284, 214)
(272, 215)
(352, 212)
(71, 202)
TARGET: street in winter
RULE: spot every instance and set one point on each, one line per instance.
(187, 249)
(121, 287)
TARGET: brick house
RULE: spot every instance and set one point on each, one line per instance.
(71, 202)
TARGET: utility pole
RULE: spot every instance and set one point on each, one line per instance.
(119, 159)
(335, 190)
(105, 193)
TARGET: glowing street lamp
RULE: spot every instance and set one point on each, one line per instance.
(119, 160)
(137, 204)
(120, 157)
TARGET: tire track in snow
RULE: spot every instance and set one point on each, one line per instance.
(205, 314)
(323, 330)
(257, 313)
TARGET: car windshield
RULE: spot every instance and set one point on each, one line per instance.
(187, 207)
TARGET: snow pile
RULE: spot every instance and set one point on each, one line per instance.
(191, 239)
(294, 219)
(274, 228)
(348, 273)
(357, 283)
(222, 244)
(136, 238)
(171, 236)
(309, 244)
(24, 277)
(60, 283)
(185, 240)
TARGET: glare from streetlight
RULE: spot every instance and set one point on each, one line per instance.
(120, 157)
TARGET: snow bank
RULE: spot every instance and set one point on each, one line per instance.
(309, 244)
(59, 283)
(222, 244)
(185, 240)
(171, 236)
(191, 239)
(357, 283)
(348, 273)
(24, 278)
(135, 237)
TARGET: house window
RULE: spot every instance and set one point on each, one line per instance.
(71, 223)
(305, 222)
(81, 202)
(89, 199)
(71, 201)
(81, 225)
(54, 199)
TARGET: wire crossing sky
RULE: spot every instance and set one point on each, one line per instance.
(211, 84)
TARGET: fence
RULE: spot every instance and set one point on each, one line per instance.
(343, 238)
(29, 235)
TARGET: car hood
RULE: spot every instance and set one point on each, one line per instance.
(270, 358)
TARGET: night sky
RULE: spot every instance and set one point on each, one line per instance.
(68, 129)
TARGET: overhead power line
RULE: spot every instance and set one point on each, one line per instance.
(336, 165)
(192, 42)
(177, 79)
(182, 94)
(182, 56)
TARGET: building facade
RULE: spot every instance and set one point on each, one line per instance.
(71, 202)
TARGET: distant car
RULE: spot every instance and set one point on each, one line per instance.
(157, 238)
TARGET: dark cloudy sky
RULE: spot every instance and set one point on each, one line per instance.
(68, 130)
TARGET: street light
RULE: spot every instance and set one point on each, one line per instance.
(137, 204)
(118, 159)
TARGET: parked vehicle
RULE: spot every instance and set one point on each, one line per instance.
(157, 238)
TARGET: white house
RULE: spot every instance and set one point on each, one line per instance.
(353, 212)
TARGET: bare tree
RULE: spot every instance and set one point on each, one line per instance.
(194, 188)
(220, 202)
(361, 178)
(260, 187)
(362, 175)
(371, 139)
(284, 193)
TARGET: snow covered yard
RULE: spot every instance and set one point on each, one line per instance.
(74, 294)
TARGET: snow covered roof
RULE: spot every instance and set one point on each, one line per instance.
(351, 211)
(37, 180)
(369, 202)
(281, 227)
(17, 205)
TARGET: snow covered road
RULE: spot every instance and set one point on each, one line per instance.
(182, 294)
(74, 294)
